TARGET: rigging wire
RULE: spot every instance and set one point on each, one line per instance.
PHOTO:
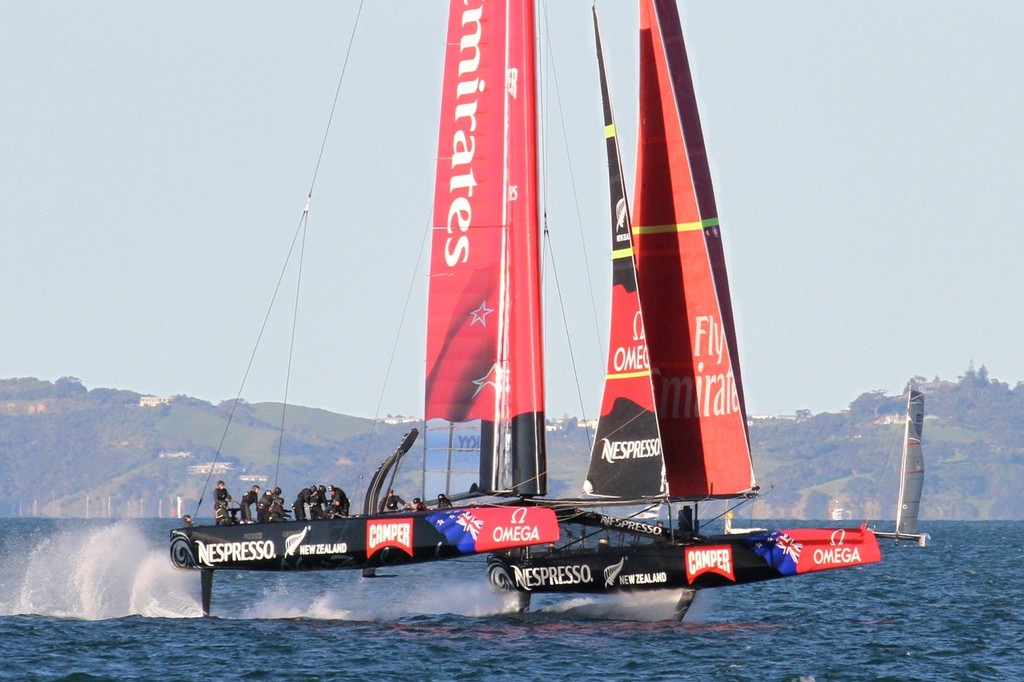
(301, 229)
(252, 358)
(549, 250)
(337, 96)
(572, 181)
(291, 342)
(394, 352)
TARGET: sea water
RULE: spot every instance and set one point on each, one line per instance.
(98, 599)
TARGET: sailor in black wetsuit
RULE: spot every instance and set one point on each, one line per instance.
(221, 497)
(251, 497)
(342, 499)
(317, 500)
(264, 505)
(277, 510)
(299, 505)
(392, 502)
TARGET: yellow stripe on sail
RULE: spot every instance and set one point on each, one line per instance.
(609, 131)
(629, 375)
(622, 253)
(678, 227)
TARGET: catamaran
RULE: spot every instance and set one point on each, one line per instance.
(673, 429)
(911, 475)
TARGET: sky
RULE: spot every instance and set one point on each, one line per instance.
(868, 161)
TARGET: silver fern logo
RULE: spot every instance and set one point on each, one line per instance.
(612, 572)
(292, 542)
(621, 218)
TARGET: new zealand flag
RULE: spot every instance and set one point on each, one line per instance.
(459, 526)
(780, 550)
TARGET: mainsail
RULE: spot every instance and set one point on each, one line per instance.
(484, 363)
(912, 467)
(673, 416)
(681, 277)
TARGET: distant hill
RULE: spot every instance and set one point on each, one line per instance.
(69, 451)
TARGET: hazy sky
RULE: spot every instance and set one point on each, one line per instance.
(867, 160)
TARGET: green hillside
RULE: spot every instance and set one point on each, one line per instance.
(69, 451)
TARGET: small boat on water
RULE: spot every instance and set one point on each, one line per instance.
(908, 503)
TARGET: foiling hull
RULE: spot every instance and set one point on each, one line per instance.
(920, 538)
(361, 541)
(696, 562)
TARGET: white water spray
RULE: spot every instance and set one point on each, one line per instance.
(95, 573)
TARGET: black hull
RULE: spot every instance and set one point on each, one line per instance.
(324, 545)
(656, 566)
(361, 542)
(640, 562)
(920, 539)
(358, 542)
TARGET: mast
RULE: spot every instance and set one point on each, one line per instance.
(626, 460)
(484, 361)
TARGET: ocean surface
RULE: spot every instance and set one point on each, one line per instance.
(98, 599)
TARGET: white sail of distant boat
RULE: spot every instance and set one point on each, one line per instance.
(911, 474)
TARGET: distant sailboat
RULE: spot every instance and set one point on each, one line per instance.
(911, 475)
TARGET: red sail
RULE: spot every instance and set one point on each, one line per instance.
(484, 356)
(689, 319)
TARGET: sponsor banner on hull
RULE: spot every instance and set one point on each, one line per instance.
(486, 529)
(805, 550)
(709, 559)
(389, 533)
(213, 553)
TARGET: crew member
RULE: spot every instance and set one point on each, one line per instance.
(335, 510)
(250, 498)
(277, 510)
(220, 505)
(264, 505)
(392, 502)
(317, 500)
(301, 500)
(337, 494)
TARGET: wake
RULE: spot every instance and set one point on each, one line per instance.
(97, 574)
(117, 571)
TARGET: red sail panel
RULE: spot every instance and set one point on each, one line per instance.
(626, 460)
(699, 407)
(696, 152)
(483, 320)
